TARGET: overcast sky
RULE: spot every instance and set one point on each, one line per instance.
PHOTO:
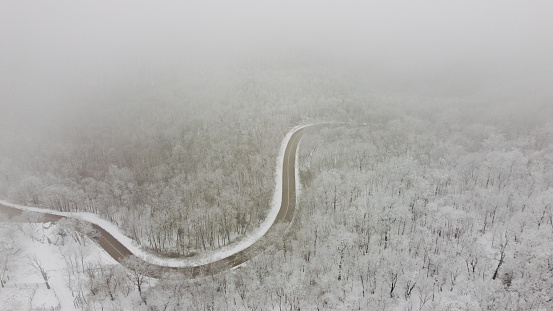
(50, 48)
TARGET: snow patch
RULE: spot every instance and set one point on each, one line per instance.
(15, 299)
(26, 288)
(297, 173)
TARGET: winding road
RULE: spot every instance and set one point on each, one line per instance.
(284, 217)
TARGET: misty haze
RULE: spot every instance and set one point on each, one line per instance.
(276, 155)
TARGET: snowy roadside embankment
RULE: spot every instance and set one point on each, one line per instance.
(205, 257)
(42, 249)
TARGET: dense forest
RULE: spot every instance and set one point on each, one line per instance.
(412, 209)
(413, 203)
(181, 168)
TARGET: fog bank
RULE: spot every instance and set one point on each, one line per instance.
(54, 52)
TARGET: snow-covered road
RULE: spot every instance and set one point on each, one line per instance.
(208, 257)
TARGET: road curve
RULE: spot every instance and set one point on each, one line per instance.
(120, 253)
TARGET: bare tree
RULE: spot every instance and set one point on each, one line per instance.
(8, 253)
(37, 264)
(502, 246)
(137, 273)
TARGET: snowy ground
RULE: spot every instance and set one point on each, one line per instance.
(26, 288)
(205, 257)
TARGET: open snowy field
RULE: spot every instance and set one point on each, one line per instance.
(29, 251)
